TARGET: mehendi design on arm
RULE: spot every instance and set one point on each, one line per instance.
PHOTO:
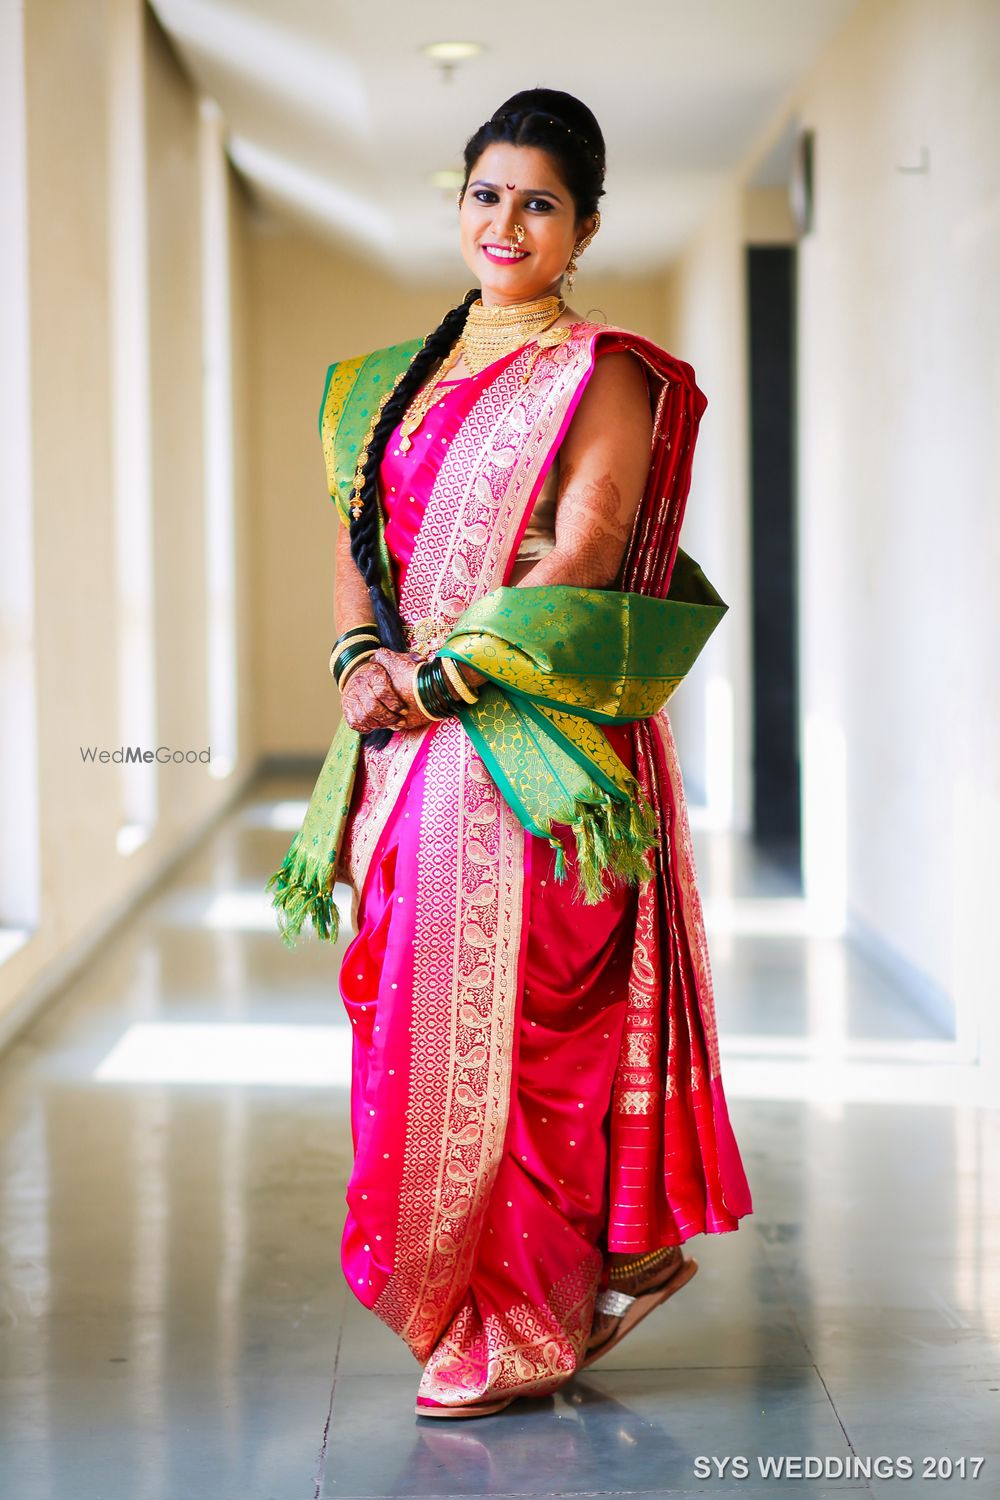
(604, 466)
(593, 528)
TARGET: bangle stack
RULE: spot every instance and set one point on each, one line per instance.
(351, 649)
(440, 689)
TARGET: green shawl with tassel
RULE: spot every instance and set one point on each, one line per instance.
(560, 661)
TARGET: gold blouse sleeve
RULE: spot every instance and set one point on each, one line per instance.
(540, 534)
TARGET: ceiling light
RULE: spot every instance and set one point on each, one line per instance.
(451, 52)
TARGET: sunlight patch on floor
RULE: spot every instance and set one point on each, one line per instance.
(208, 1053)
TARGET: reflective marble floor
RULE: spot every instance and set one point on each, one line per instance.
(175, 1143)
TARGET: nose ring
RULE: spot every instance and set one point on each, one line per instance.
(516, 235)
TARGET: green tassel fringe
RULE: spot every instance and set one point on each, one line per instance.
(612, 837)
(299, 892)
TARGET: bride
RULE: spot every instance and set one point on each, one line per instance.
(537, 1108)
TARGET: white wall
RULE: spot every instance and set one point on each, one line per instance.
(71, 53)
(898, 513)
(900, 389)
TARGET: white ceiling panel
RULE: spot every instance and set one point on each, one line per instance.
(337, 119)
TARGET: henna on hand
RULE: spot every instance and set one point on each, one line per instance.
(399, 666)
(369, 700)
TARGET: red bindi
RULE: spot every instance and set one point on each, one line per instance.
(512, 186)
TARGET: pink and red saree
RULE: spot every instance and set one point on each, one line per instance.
(535, 1082)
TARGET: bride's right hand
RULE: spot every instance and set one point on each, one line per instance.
(379, 694)
(369, 700)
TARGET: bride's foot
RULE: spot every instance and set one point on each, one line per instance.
(645, 1281)
(426, 1407)
(633, 1274)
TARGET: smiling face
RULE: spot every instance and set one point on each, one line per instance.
(518, 185)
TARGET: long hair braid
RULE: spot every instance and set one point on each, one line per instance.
(364, 529)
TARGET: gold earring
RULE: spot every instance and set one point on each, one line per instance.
(572, 268)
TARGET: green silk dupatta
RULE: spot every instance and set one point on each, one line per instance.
(565, 660)
(351, 396)
(560, 662)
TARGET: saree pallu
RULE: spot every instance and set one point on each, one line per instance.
(534, 1082)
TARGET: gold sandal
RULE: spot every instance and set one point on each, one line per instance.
(630, 1309)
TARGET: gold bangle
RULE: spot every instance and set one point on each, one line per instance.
(458, 682)
(434, 718)
(354, 662)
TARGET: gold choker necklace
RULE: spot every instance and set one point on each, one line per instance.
(492, 332)
(489, 334)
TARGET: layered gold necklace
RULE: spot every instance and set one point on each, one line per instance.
(489, 334)
(492, 332)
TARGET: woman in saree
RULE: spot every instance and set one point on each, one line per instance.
(537, 1109)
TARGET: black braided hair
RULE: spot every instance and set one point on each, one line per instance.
(364, 530)
(557, 123)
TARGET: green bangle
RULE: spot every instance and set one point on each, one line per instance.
(418, 695)
(434, 690)
(349, 654)
(431, 690)
(358, 635)
(356, 661)
(344, 656)
(445, 695)
(368, 630)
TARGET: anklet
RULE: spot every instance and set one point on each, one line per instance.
(642, 1262)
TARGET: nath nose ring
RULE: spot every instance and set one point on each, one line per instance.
(517, 234)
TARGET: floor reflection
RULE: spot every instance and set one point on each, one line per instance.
(175, 1142)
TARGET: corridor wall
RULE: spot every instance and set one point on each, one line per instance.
(898, 513)
(78, 64)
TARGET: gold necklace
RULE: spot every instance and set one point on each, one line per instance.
(489, 334)
(492, 332)
(423, 401)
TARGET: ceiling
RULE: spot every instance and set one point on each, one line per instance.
(336, 119)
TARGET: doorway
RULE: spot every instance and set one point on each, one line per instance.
(776, 772)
